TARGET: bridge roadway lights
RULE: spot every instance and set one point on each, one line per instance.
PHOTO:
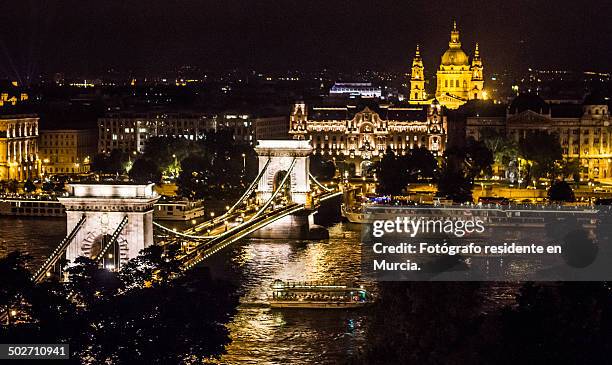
(105, 205)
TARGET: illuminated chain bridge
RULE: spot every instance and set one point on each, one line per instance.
(112, 223)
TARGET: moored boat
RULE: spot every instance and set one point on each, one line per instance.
(178, 210)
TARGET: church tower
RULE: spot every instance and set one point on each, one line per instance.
(454, 76)
(477, 76)
(417, 79)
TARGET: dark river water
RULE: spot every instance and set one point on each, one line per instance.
(261, 335)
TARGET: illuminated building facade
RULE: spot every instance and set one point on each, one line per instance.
(359, 135)
(129, 131)
(10, 95)
(19, 147)
(67, 151)
(584, 130)
(361, 89)
(457, 79)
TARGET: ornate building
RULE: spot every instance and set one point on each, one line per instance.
(359, 135)
(457, 80)
(19, 147)
(585, 131)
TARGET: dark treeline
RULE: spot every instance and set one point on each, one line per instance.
(148, 313)
(446, 323)
(214, 166)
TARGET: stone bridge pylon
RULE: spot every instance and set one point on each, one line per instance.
(116, 221)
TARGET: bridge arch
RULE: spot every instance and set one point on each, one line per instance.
(282, 154)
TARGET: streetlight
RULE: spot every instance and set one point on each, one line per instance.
(243, 162)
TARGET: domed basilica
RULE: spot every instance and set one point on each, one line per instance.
(458, 80)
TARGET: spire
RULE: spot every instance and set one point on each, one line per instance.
(417, 77)
(454, 42)
(417, 61)
(476, 65)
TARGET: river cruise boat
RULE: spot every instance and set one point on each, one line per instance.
(31, 207)
(178, 210)
(317, 295)
(509, 215)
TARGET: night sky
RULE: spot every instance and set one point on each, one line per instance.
(76, 36)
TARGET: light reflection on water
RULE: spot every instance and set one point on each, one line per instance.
(270, 336)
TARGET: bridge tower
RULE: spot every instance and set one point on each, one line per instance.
(281, 154)
(116, 220)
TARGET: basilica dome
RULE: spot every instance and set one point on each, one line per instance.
(455, 57)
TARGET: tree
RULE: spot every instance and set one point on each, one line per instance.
(29, 186)
(322, 169)
(569, 167)
(561, 191)
(113, 163)
(454, 185)
(114, 318)
(145, 171)
(390, 176)
(193, 181)
(478, 158)
(155, 265)
(90, 283)
(504, 149)
(221, 168)
(167, 152)
(461, 167)
(15, 283)
(542, 150)
(13, 186)
(569, 323)
(179, 322)
(48, 187)
(419, 164)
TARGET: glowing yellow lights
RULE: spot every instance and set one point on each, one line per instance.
(212, 214)
(485, 95)
(13, 313)
(48, 274)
